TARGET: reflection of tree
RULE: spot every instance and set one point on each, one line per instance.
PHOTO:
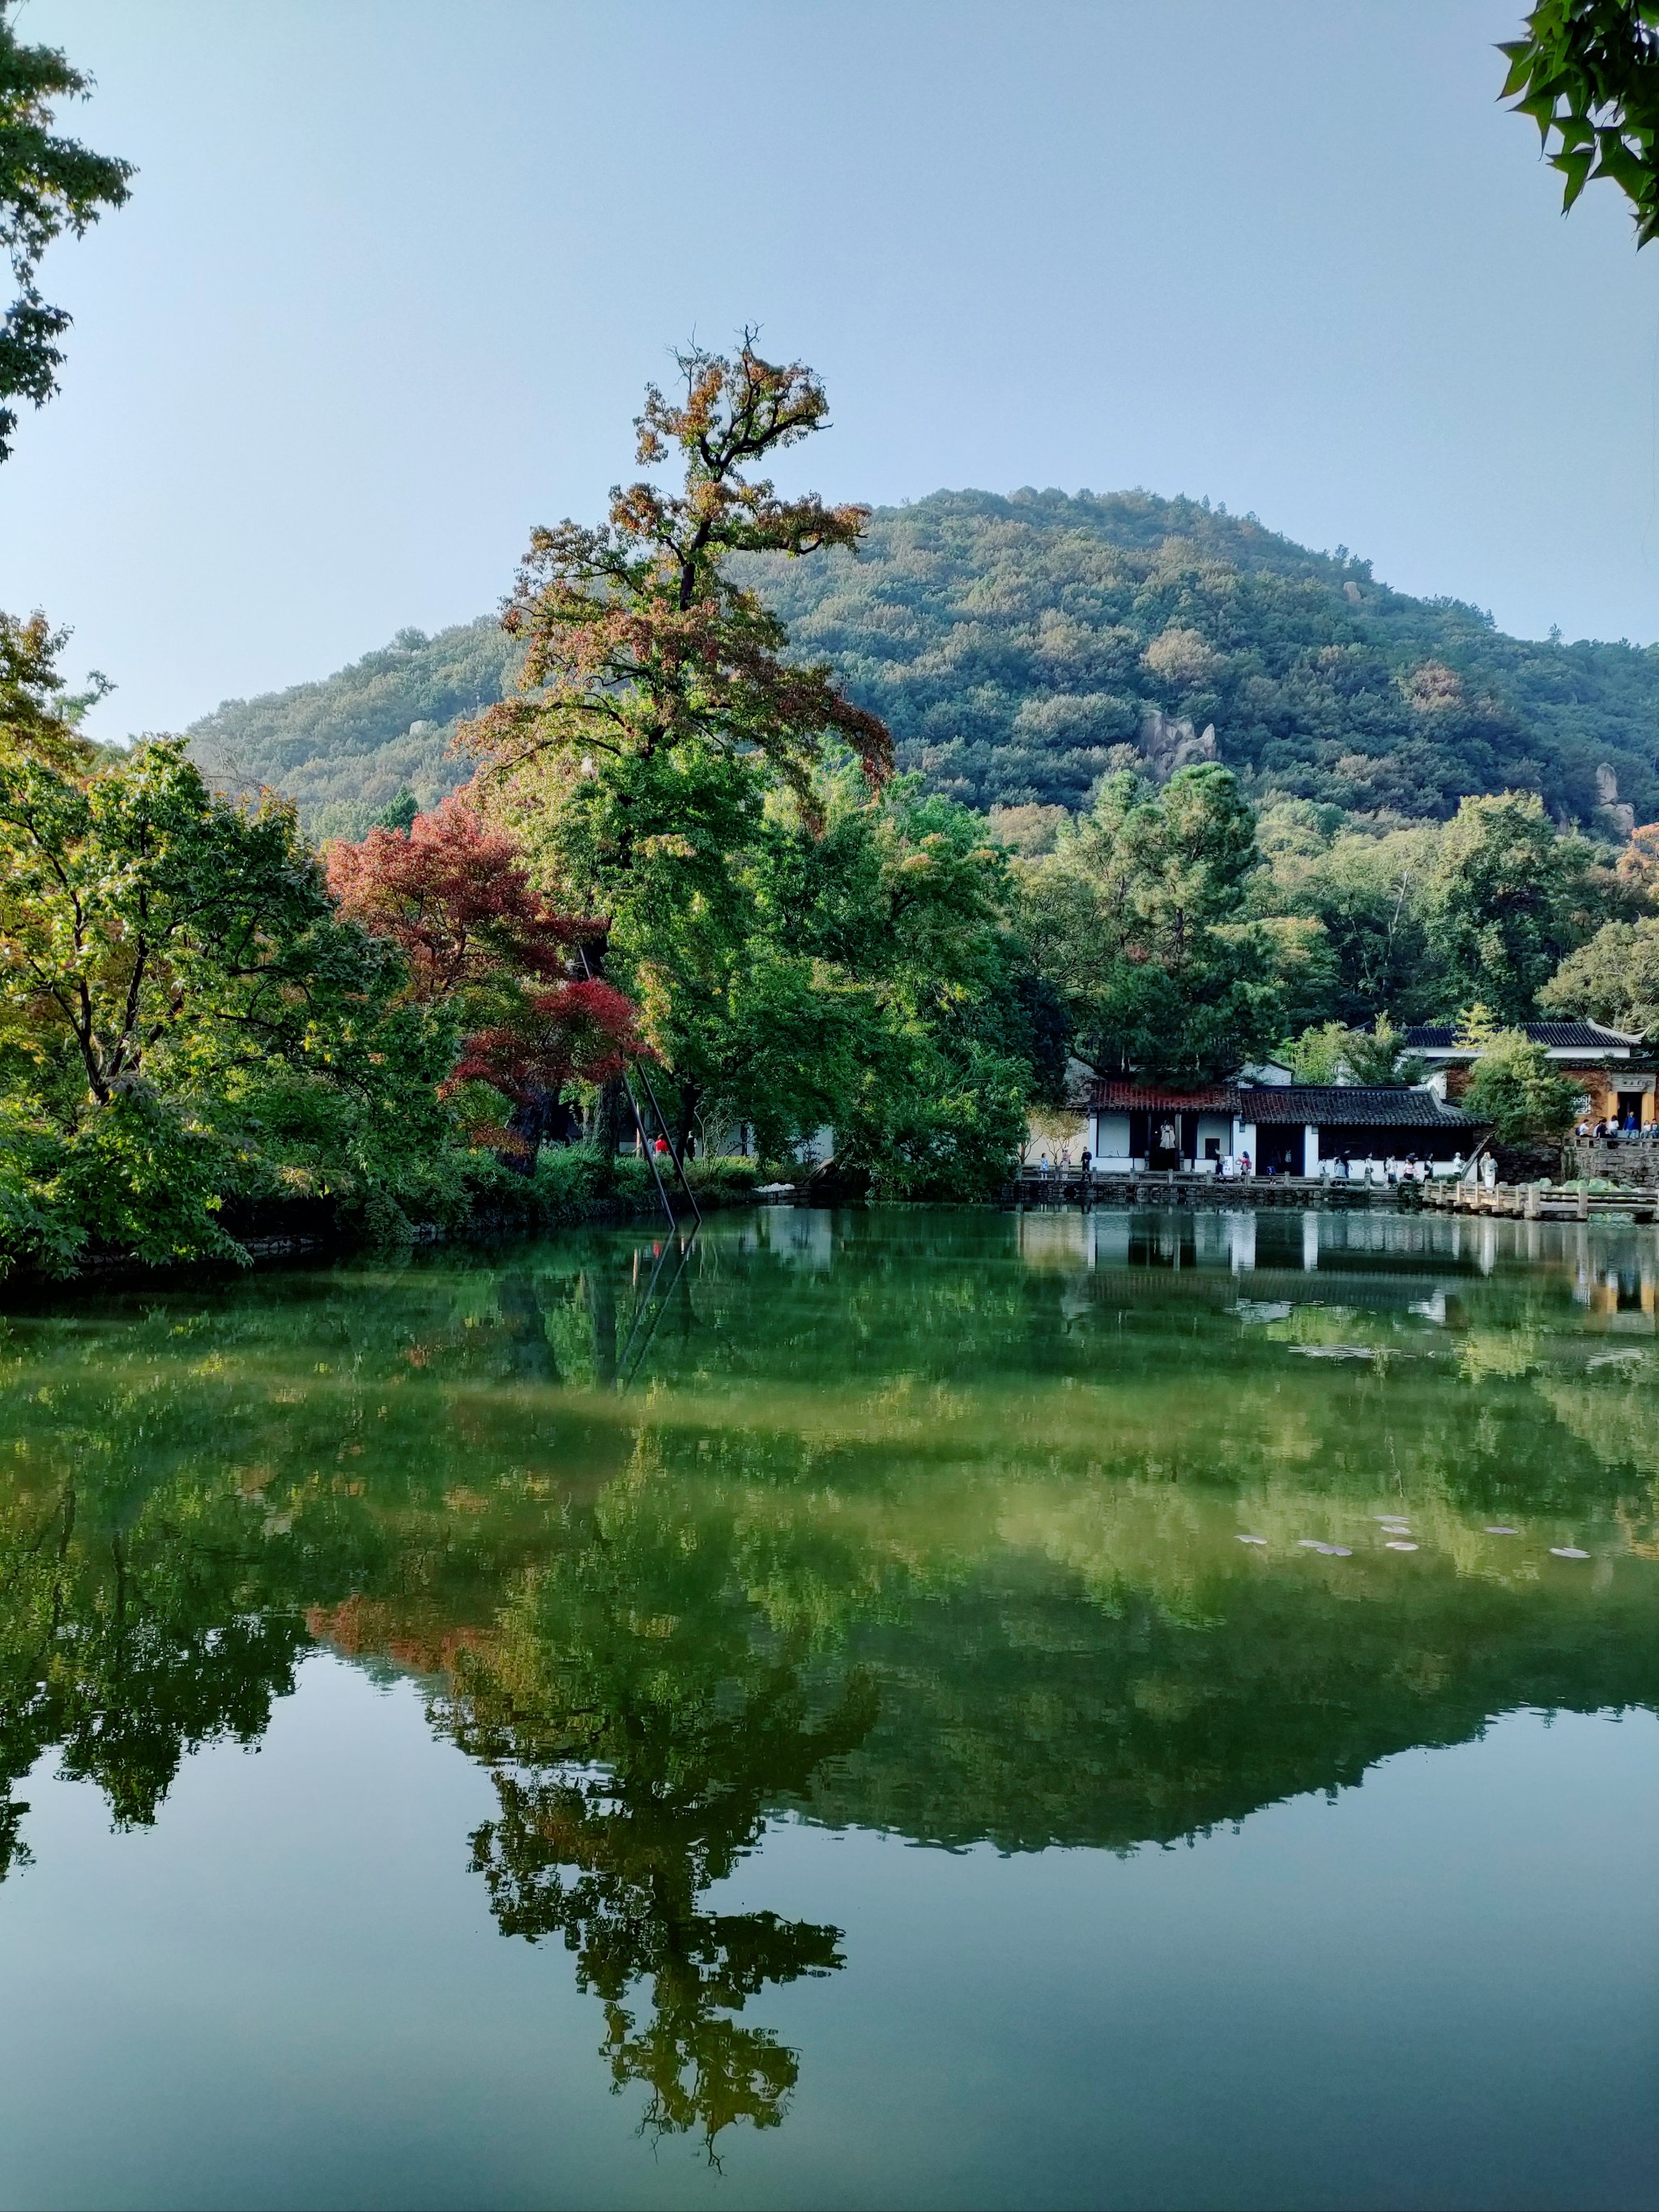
(124, 1646)
(642, 1722)
(649, 1609)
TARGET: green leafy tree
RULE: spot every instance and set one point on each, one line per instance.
(400, 811)
(1613, 979)
(48, 185)
(1332, 1054)
(1587, 72)
(1509, 898)
(185, 1020)
(1138, 922)
(1367, 895)
(39, 720)
(876, 987)
(1516, 1085)
(656, 710)
(1319, 1054)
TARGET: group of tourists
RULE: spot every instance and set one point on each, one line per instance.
(1342, 1169)
(1612, 1130)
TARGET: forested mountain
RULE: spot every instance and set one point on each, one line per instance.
(1012, 643)
(346, 746)
(1016, 644)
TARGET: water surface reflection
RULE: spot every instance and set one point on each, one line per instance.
(909, 1523)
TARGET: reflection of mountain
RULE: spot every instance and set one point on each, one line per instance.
(903, 1525)
(1024, 1718)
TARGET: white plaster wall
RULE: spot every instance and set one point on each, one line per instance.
(1109, 1140)
(1218, 1126)
(1110, 1137)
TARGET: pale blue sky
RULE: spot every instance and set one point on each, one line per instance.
(395, 270)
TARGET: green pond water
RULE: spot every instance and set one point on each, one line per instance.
(793, 1720)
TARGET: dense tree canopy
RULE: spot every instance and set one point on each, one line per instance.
(1508, 899)
(184, 1022)
(1138, 920)
(1614, 978)
(1013, 644)
(347, 750)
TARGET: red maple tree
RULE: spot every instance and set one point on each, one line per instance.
(454, 894)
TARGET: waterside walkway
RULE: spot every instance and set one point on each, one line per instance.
(1067, 1186)
(1537, 1202)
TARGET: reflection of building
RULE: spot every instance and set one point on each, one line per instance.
(1615, 1070)
(1282, 1128)
(1619, 1289)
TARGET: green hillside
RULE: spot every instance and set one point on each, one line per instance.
(1017, 644)
(345, 747)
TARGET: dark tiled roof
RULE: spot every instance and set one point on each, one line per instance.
(1328, 1105)
(1576, 1036)
(1163, 1098)
(1350, 1106)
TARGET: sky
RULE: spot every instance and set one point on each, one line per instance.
(395, 272)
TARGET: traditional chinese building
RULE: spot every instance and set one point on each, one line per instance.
(1281, 1128)
(1616, 1070)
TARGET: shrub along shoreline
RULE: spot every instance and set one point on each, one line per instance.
(569, 1189)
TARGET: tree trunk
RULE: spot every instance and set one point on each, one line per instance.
(686, 1115)
(611, 1119)
(542, 1119)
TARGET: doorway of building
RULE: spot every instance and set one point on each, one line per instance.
(1163, 1146)
(1629, 1103)
(1280, 1152)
